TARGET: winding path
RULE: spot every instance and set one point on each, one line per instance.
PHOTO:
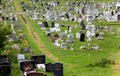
(33, 34)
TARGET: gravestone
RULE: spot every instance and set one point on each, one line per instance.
(83, 25)
(27, 63)
(70, 38)
(112, 31)
(57, 69)
(18, 26)
(49, 67)
(70, 29)
(39, 59)
(78, 35)
(48, 33)
(52, 24)
(56, 43)
(28, 49)
(41, 26)
(5, 70)
(63, 45)
(82, 36)
(45, 24)
(88, 34)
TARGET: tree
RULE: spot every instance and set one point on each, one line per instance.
(3, 32)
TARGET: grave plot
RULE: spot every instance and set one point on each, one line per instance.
(37, 66)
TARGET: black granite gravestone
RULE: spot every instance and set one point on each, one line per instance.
(58, 69)
(39, 59)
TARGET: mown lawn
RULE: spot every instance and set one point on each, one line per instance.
(75, 61)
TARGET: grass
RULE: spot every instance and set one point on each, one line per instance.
(74, 61)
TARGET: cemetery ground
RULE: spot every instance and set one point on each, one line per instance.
(77, 62)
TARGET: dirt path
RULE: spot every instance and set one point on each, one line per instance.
(35, 36)
(116, 67)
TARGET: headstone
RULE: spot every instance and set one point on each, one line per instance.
(48, 33)
(56, 43)
(52, 24)
(18, 26)
(28, 49)
(49, 67)
(112, 31)
(5, 70)
(58, 69)
(41, 25)
(88, 34)
(63, 45)
(20, 57)
(78, 35)
(70, 29)
(45, 24)
(70, 38)
(39, 59)
(83, 25)
(82, 36)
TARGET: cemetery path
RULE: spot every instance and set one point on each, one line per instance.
(34, 35)
(116, 67)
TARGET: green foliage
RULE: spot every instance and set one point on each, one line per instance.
(3, 32)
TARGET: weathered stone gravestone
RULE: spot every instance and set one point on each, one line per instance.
(112, 30)
(88, 34)
(56, 43)
(22, 36)
(63, 45)
(41, 26)
(70, 38)
(78, 35)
